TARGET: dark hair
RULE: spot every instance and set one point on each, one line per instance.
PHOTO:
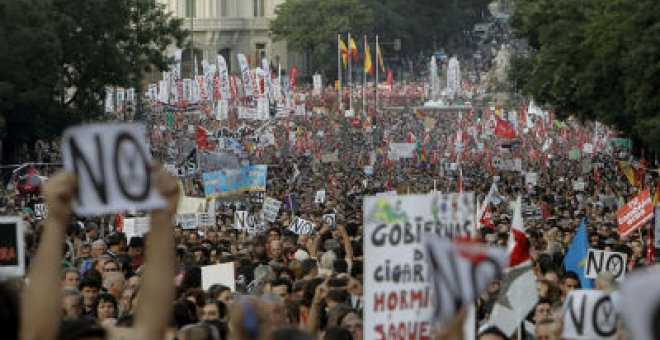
(571, 275)
(292, 333)
(222, 308)
(90, 281)
(192, 278)
(79, 329)
(105, 297)
(185, 313)
(492, 330)
(340, 266)
(9, 311)
(278, 282)
(337, 333)
(307, 265)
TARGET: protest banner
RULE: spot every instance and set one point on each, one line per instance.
(300, 226)
(270, 209)
(12, 258)
(401, 150)
(587, 148)
(222, 274)
(136, 227)
(459, 272)
(368, 170)
(634, 214)
(640, 304)
(112, 163)
(331, 220)
(320, 197)
(318, 84)
(599, 261)
(222, 110)
(243, 220)
(516, 298)
(394, 263)
(189, 205)
(229, 182)
(589, 314)
(248, 83)
(205, 219)
(579, 185)
(187, 220)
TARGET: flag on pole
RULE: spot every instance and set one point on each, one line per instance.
(576, 257)
(504, 129)
(379, 56)
(656, 197)
(368, 64)
(354, 50)
(518, 243)
(344, 52)
(486, 219)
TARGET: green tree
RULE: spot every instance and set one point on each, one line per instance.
(311, 26)
(594, 59)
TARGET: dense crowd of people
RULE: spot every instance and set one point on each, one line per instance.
(290, 286)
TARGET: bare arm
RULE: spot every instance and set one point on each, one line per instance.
(42, 301)
(314, 317)
(348, 247)
(157, 292)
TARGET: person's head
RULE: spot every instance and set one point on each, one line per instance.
(198, 331)
(105, 307)
(226, 296)
(81, 329)
(552, 276)
(126, 301)
(605, 281)
(570, 281)
(98, 248)
(85, 250)
(72, 304)
(542, 310)
(282, 288)
(70, 278)
(114, 283)
(89, 287)
(214, 310)
(353, 323)
(92, 231)
(309, 268)
(491, 333)
(337, 333)
(110, 266)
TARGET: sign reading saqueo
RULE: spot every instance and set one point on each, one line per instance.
(635, 213)
(398, 292)
(12, 261)
(112, 165)
(589, 314)
(600, 261)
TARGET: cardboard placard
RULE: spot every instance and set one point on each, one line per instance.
(243, 220)
(589, 314)
(599, 261)
(187, 220)
(320, 197)
(12, 259)
(112, 162)
(330, 219)
(300, 226)
(136, 226)
(222, 273)
(270, 209)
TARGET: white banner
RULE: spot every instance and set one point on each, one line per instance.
(401, 150)
(248, 84)
(300, 226)
(225, 89)
(270, 209)
(599, 261)
(589, 314)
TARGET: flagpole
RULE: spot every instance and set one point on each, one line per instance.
(364, 80)
(377, 67)
(339, 71)
(350, 74)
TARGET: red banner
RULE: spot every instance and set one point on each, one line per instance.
(635, 213)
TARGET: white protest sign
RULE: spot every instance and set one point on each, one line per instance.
(368, 169)
(270, 209)
(579, 185)
(187, 221)
(516, 298)
(587, 148)
(41, 210)
(300, 226)
(640, 304)
(112, 163)
(460, 272)
(136, 227)
(402, 302)
(222, 110)
(222, 273)
(205, 219)
(320, 197)
(331, 220)
(599, 261)
(12, 258)
(401, 150)
(531, 178)
(243, 220)
(589, 314)
(318, 84)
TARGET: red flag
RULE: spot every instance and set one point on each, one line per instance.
(596, 174)
(293, 75)
(390, 78)
(410, 138)
(504, 129)
(486, 218)
(202, 140)
(519, 245)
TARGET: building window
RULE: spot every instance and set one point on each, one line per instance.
(190, 8)
(260, 53)
(258, 8)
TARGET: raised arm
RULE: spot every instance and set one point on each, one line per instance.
(42, 301)
(157, 292)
